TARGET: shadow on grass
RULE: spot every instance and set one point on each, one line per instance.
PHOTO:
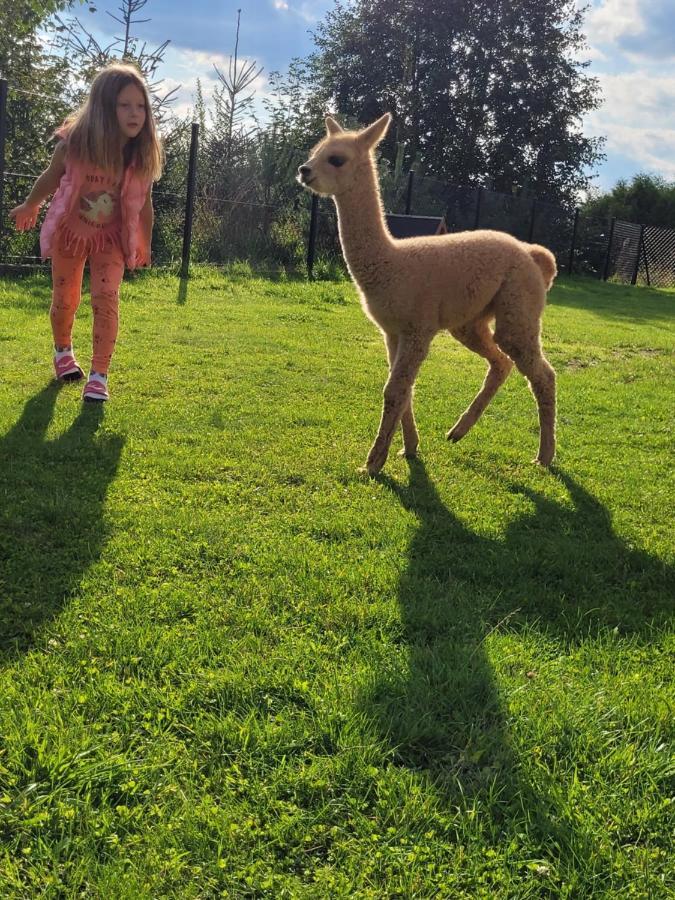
(181, 299)
(613, 301)
(51, 518)
(560, 570)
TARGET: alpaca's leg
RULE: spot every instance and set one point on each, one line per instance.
(412, 349)
(518, 333)
(477, 336)
(540, 374)
(410, 436)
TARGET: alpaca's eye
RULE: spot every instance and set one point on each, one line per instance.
(337, 161)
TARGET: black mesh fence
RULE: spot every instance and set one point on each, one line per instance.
(657, 261)
(553, 226)
(623, 252)
(462, 208)
(328, 251)
(505, 212)
(429, 197)
(590, 246)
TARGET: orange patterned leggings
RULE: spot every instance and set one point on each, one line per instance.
(106, 268)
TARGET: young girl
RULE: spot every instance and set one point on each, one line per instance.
(102, 171)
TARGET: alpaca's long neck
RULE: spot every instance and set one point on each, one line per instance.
(363, 231)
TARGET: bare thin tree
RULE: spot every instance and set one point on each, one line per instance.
(89, 55)
(236, 102)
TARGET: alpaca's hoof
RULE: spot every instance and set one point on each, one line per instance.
(368, 470)
(408, 454)
(456, 433)
(374, 464)
(543, 460)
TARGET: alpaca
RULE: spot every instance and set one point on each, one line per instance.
(415, 287)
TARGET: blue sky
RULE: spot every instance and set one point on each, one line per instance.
(631, 49)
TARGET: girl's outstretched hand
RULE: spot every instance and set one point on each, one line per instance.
(24, 216)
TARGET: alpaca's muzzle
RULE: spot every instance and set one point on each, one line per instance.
(304, 174)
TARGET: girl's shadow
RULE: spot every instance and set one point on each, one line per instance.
(52, 495)
(438, 706)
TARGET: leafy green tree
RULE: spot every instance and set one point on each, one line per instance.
(36, 77)
(36, 104)
(646, 199)
(486, 92)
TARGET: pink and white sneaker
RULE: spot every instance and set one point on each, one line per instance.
(96, 388)
(66, 366)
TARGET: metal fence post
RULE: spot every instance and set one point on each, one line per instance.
(409, 193)
(311, 244)
(190, 200)
(533, 217)
(479, 197)
(640, 245)
(649, 283)
(3, 132)
(575, 226)
(608, 254)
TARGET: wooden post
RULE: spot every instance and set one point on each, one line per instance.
(644, 248)
(479, 197)
(3, 132)
(190, 201)
(533, 217)
(409, 193)
(608, 254)
(311, 244)
(640, 245)
(575, 227)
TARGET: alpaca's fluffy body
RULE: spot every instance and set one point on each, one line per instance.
(415, 287)
(447, 280)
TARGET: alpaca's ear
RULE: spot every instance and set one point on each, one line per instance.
(373, 134)
(333, 127)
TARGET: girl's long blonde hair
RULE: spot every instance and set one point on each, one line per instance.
(93, 134)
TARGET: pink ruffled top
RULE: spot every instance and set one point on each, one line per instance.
(96, 218)
(92, 207)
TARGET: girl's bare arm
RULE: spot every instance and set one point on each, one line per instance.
(25, 215)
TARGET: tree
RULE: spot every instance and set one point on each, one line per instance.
(646, 199)
(233, 101)
(487, 92)
(87, 56)
(36, 78)
(35, 104)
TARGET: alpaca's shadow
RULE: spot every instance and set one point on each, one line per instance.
(440, 711)
(51, 516)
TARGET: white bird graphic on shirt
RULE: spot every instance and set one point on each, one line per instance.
(100, 209)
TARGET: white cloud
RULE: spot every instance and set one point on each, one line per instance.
(652, 151)
(305, 11)
(642, 98)
(614, 19)
(638, 119)
(642, 33)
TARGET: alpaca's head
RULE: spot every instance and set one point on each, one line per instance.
(337, 161)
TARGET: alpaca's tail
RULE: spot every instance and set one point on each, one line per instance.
(546, 262)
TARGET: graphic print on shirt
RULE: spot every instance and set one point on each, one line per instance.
(99, 200)
(98, 207)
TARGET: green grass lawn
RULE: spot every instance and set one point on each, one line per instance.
(230, 666)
